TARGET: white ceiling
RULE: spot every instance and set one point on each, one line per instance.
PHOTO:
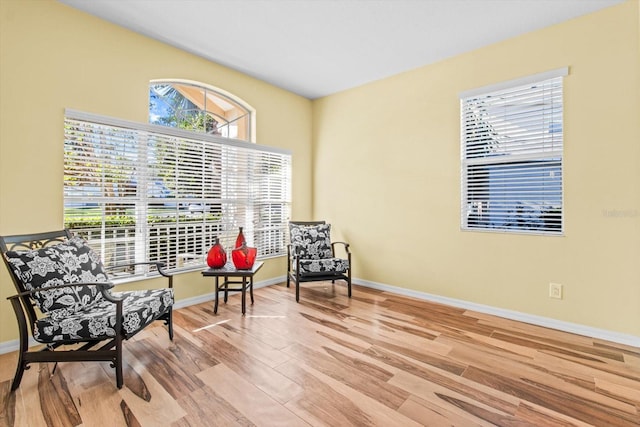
(318, 47)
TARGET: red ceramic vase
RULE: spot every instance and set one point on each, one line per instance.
(217, 257)
(244, 257)
(240, 239)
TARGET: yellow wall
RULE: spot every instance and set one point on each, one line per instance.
(392, 148)
(54, 57)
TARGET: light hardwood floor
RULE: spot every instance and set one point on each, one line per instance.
(376, 359)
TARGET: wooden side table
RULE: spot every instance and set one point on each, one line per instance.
(232, 276)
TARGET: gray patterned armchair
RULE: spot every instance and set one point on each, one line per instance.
(65, 297)
(311, 256)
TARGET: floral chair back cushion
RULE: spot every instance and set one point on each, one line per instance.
(69, 262)
(311, 241)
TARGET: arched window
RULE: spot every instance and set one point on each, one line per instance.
(201, 108)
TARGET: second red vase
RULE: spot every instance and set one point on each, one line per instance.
(244, 257)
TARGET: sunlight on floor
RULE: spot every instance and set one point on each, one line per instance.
(212, 325)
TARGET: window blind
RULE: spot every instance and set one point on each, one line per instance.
(512, 152)
(141, 192)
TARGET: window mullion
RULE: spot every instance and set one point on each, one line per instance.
(142, 211)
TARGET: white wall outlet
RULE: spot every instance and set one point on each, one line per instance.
(555, 290)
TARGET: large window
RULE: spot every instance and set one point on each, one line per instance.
(512, 148)
(146, 192)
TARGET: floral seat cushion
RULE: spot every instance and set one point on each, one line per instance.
(320, 267)
(70, 262)
(98, 321)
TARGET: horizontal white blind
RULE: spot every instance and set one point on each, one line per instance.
(512, 147)
(142, 192)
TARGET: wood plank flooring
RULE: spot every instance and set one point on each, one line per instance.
(377, 359)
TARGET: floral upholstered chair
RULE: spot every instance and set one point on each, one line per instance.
(63, 278)
(312, 256)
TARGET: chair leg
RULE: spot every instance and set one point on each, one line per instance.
(169, 323)
(17, 378)
(118, 362)
(288, 271)
(297, 288)
(24, 344)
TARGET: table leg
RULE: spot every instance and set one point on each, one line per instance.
(215, 305)
(226, 288)
(251, 289)
(244, 294)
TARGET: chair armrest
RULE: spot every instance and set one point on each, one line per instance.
(345, 245)
(293, 252)
(292, 258)
(159, 266)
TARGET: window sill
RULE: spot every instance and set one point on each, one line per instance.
(125, 279)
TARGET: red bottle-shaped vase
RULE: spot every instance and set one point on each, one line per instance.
(217, 257)
(244, 257)
(240, 239)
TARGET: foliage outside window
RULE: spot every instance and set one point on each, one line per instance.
(512, 153)
(142, 192)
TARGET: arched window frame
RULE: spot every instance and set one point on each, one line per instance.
(204, 106)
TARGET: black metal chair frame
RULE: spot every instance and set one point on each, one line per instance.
(22, 302)
(294, 260)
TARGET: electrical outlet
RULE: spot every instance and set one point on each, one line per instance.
(555, 290)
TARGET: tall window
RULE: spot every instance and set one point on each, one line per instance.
(141, 192)
(200, 108)
(512, 147)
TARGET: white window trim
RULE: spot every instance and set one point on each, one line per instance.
(521, 81)
(487, 90)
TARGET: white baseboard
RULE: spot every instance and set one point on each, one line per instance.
(547, 322)
(13, 345)
(9, 346)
